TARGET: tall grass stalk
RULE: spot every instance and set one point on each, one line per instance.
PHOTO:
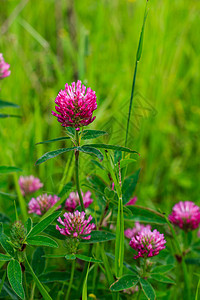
(138, 56)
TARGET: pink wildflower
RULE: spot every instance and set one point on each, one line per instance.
(185, 215)
(75, 225)
(29, 184)
(148, 243)
(129, 233)
(4, 68)
(75, 105)
(132, 201)
(41, 204)
(73, 200)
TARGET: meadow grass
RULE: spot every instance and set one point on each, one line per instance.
(55, 42)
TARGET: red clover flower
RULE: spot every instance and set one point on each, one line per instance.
(41, 204)
(75, 105)
(185, 215)
(73, 200)
(4, 68)
(29, 184)
(147, 243)
(129, 233)
(75, 225)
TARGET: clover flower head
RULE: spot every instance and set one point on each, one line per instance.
(132, 201)
(75, 105)
(4, 68)
(129, 233)
(73, 200)
(185, 215)
(29, 184)
(76, 225)
(148, 243)
(42, 204)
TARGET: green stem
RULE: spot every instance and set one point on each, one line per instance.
(77, 172)
(186, 278)
(71, 280)
(32, 291)
(21, 199)
(139, 293)
(138, 56)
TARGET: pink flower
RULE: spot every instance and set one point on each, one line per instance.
(129, 233)
(73, 200)
(75, 225)
(4, 68)
(148, 243)
(186, 215)
(132, 201)
(75, 105)
(41, 204)
(29, 184)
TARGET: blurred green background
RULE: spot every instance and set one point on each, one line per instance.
(51, 42)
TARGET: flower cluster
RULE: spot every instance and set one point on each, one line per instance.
(18, 234)
(129, 233)
(29, 184)
(185, 215)
(41, 204)
(73, 200)
(75, 105)
(75, 225)
(4, 68)
(147, 243)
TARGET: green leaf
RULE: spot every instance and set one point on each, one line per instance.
(140, 45)
(7, 196)
(54, 140)
(7, 104)
(4, 240)
(52, 231)
(89, 259)
(2, 281)
(193, 261)
(84, 290)
(28, 225)
(117, 156)
(70, 256)
(112, 147)
(55, 255)
(162, 269)
(97, 164)
(91, 134)
(54, 277)
(147, 289)
(38, 261)
(66, 188)
(53, 154)
(41, 240)
(99, 236)
(162, 278)
(7, 169)
(125, 282)
(43, 224)
(9, 116)
(71, 132)
(127, 161)
(129, 186)
(42, 290)
(146, 215)
(4, 257)
(91, 151)
(15, 277)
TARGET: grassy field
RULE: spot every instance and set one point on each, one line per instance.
(51, 42)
